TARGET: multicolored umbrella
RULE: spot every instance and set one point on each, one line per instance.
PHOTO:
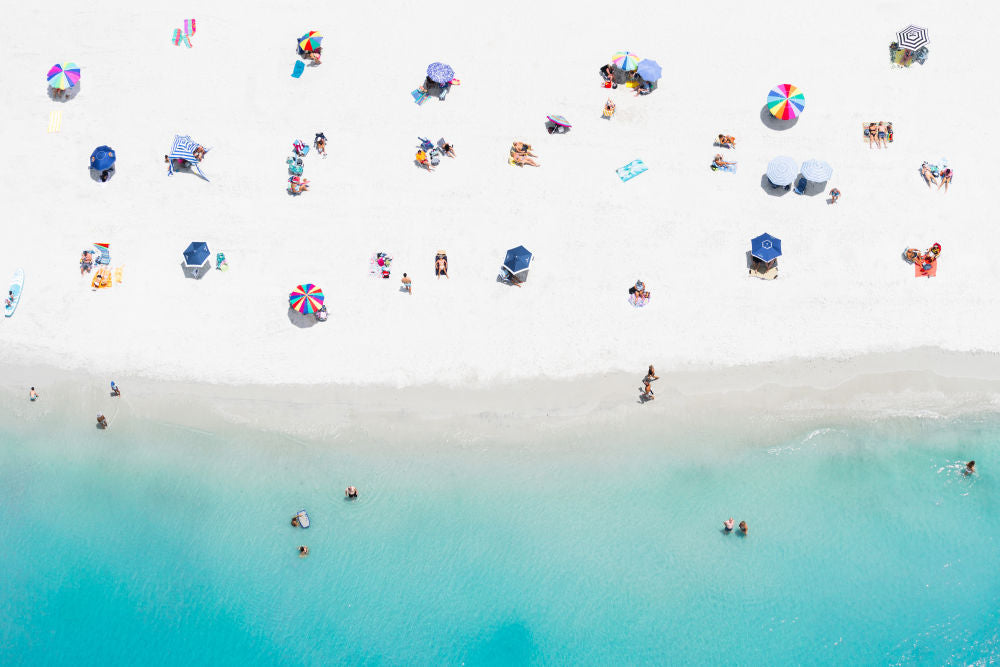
(306, 299)
(786, 102)
(912, 37)
(310, 41)
(64, 76)
(625, 60)
(559, 120)
(440, 73)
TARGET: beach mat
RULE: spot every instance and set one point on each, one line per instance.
(919, 271)
(55, 121)
(299, 68)
(176, 38)
(190, 26)
(418, 96)
(631, 170)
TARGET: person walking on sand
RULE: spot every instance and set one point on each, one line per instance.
(407, 284)
(102, 421)
(32, 395)
(834, 195)
(115, 391)
(647, 389)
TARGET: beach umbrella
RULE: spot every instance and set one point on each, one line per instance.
(64, 76)
(559, 120)
(816, 171)
(306, 299)
(765, 247)
(650, 70)
(102, 158)
(625, 60)
(782, 170)
(196, 255)
(785, 102)
(440, 73)
(912, 37)
(517, 259)
(310, 41)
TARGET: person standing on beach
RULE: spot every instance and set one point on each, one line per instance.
(407, 284)
(647, 388)
(115, 391)
(102, 421)
(32, 395)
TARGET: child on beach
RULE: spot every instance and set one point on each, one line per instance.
(834, 195)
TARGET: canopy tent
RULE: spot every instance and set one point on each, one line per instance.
(516, 263)
(102, 158)
(183, 149)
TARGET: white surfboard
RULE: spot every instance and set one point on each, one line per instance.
(16, 285)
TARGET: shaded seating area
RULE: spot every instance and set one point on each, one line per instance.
(515, 266)
(764, 252)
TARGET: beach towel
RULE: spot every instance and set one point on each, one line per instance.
(418, 96)
(919, 271)
(176, 39)
(631, 170)
(637, 301)
(104, 252)
(299, 68)
(55, 121)
(118, 274)
(728, 167)
(187, 42)
(189, 26)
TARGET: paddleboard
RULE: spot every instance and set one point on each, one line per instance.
(16, 285)
(303, 518)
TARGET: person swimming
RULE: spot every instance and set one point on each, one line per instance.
(728, 524)
(295, 520)
(744, 528)
(351, 492)
(970, 468)
(303, 551)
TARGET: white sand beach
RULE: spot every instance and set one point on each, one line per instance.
(683, 229)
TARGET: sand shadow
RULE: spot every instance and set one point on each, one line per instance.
(64, 96)
(772, 123)
(771, 189)
(421, 166)
(301, 320)
(812, 189)
(195, 272)
(95, 175)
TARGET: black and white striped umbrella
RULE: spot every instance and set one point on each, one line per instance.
(912, 37)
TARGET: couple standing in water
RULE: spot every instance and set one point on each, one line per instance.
(728, 524)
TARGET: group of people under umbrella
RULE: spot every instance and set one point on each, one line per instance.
(627, 68)
(438, 81)
(910, 46)
(62, 77)
(196, 259)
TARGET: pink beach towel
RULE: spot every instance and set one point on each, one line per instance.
(176, 39)
(189, 26)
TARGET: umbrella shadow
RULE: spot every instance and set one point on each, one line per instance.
(301, 320)
(750, 261)
(772, 123)
(96, 174)
(195, 272)
(771, 189)
(812, 189)
(553, 128)
(66, 96)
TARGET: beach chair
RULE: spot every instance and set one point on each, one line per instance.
(295, 165)
(104, 253)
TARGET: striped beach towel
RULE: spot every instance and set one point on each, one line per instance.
(176, 39)
(189, 26)
(104, 249)
(55, 121)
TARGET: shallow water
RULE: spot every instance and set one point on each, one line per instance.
(156, 544)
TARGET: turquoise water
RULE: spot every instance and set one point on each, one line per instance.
(154, 544)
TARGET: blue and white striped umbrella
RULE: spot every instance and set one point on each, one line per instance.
(817, 171)
(782, 170)
(440, 73)
(183, 149)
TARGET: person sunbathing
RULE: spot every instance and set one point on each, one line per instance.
(945, 179)
(320, 143)
(315, 55)
(522, 148)
(447, 149)
(199, 153)
(720, 163)
(424, 160)
(928, 175)
(441, 267)
(298, 186)
(872, 133)
(522, 159)
(726, 141)
(911, 255)
(609, 108)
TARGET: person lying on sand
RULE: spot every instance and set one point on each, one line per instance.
(719, 162)
(447, 149)
(522, 159)
(726, 141)
(522, 148)
(441, 267)
(928, 175)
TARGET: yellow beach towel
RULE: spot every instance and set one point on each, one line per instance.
(55, 121)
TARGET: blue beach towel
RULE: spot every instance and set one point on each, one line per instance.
(631, 170)
(299, 68)
(418, 96)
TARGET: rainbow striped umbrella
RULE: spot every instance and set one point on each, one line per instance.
(625, 60)
(64, 76)
(310, 41)
(786, 102)
(306, 299)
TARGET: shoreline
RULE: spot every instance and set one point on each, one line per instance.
(926, 383)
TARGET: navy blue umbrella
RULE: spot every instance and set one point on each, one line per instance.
(517, 259)
(102, 158)
(765, 247)
(196, 254)
(440, 73)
